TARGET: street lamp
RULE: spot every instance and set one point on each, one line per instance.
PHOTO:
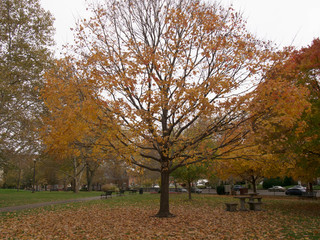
(34, 175)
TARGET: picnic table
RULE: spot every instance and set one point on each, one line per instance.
(253, 196)
(253, 205)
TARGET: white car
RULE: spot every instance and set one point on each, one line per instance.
(182, 190)
(276, 189)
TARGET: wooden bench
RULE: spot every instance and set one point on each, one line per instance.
(106, 194)
(231, 207)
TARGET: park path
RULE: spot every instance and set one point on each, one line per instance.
(43, 204)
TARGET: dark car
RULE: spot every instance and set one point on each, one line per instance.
(237, 187)
(296, 190)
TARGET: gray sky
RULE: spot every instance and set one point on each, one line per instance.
(285, 22)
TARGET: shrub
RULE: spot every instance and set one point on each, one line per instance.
(109, 187)
(269, 182)
(220, 190)
(286, 181)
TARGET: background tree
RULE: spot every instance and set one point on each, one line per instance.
(145, 178)
(289, 132)
(71, 123)
(161, 65)
(280, 104)
(26, 32)
(303, 143)
(91, 169)
(190, 174)
(245, 169)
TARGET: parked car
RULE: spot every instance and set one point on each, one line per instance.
(237, 187)
(276, 189)
(296, 190)
(196, 190)
(182, 190)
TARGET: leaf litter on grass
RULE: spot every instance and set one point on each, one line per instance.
(192, 221)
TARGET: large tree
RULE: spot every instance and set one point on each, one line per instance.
(26, 32)
(302, 144)
(162, 67)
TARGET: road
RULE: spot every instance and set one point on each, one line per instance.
(261, 192)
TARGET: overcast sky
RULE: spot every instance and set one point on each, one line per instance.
(286, 22)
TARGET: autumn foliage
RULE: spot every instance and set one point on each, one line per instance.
(294, 129)
(283, 141)
(73, 117)
(305, 144)
(154, 71)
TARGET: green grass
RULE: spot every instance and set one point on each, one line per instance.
(10, 197)
(316, 187)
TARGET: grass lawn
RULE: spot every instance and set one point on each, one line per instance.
(10, 197)
(131, 217)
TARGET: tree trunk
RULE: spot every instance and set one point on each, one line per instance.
(77, 175)
(164, 196)
(89, 183)
(90, 175)
(64, 184)
(189, 190)
(253, 181)
(75, 185)
(19, 179)
(175, 185)
(75, 180)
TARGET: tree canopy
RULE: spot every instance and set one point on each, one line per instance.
(160, 68)
(284, 140)
(26, 33)
(304, 145)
